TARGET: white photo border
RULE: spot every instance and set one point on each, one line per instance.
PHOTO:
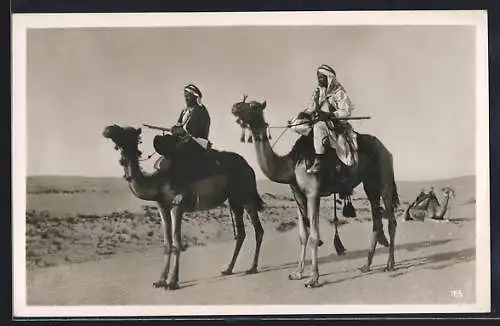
(22, 22)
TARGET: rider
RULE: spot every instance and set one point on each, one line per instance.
(330, 96)
(432, 195)
(420, 197)
(194, 119)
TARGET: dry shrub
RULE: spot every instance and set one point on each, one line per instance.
(286, 226)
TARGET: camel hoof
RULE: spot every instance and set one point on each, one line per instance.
(173, 286)
(341, 252)
(364, 269)
(295, 276)
(311, 284)
(227, 272)
(389, 267)
(160, 284)
(251, 271)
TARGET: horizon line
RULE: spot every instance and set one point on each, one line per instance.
(258, 179)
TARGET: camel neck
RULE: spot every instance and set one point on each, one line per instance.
(277, 168)
(445, 207)
(141, 185)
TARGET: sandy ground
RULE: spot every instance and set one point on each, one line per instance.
(78, 253)
(433, 260)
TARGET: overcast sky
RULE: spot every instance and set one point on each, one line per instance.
(417, 83)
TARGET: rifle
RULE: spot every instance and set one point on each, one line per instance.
(333, 117)
(157, 128)
(354, 118)
(202, 142)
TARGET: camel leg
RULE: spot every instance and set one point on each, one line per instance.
(392, 230)
(176, 218)
(303, 234)
(259, 235)
(378, 227)
(313, 214)
(240, 237)
(166, 224)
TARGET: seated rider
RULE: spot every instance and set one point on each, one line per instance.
(193, 122)
(194, 119)
(432, 196)
(421, 196)
(331, 97)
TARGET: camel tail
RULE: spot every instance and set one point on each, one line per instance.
(395, 196)
(387, 173)
(259, 203)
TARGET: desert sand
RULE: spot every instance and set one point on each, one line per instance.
(90, 242)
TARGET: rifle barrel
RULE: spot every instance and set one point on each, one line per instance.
(156, 127)
(355, 118)
(350, 118)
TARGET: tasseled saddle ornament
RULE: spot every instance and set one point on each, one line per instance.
(348, 209)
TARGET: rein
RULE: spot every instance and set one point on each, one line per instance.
(287, 127)
(147, 157)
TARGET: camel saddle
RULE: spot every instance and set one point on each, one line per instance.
(341, 136)
(186, 160)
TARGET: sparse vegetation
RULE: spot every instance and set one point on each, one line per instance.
(63, 191)
(286, 226)
(67, 232)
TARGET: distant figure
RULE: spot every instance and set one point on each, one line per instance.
(433, 203)
(421, 196)
(432, 195)
(428, 207)
(330, 97)
(194, 119)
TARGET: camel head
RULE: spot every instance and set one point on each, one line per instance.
(249, 114)
(448, 192)
(126, 140)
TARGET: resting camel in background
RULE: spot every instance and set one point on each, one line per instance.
(233, 180)
(427, 208)
(374, 170)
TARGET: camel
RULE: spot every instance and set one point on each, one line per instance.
(233, 181)
(427, 208)
(374, 170)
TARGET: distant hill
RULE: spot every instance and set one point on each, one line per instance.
(36, 184)
(64, 194)
(463, 186)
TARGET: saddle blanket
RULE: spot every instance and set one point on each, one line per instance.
(345, 144)
(202, 142)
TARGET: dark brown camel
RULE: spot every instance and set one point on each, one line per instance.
(374, 170)
(178, 189)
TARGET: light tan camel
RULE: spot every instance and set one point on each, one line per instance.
(234, 181)
(428, 207)
(374, 170)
